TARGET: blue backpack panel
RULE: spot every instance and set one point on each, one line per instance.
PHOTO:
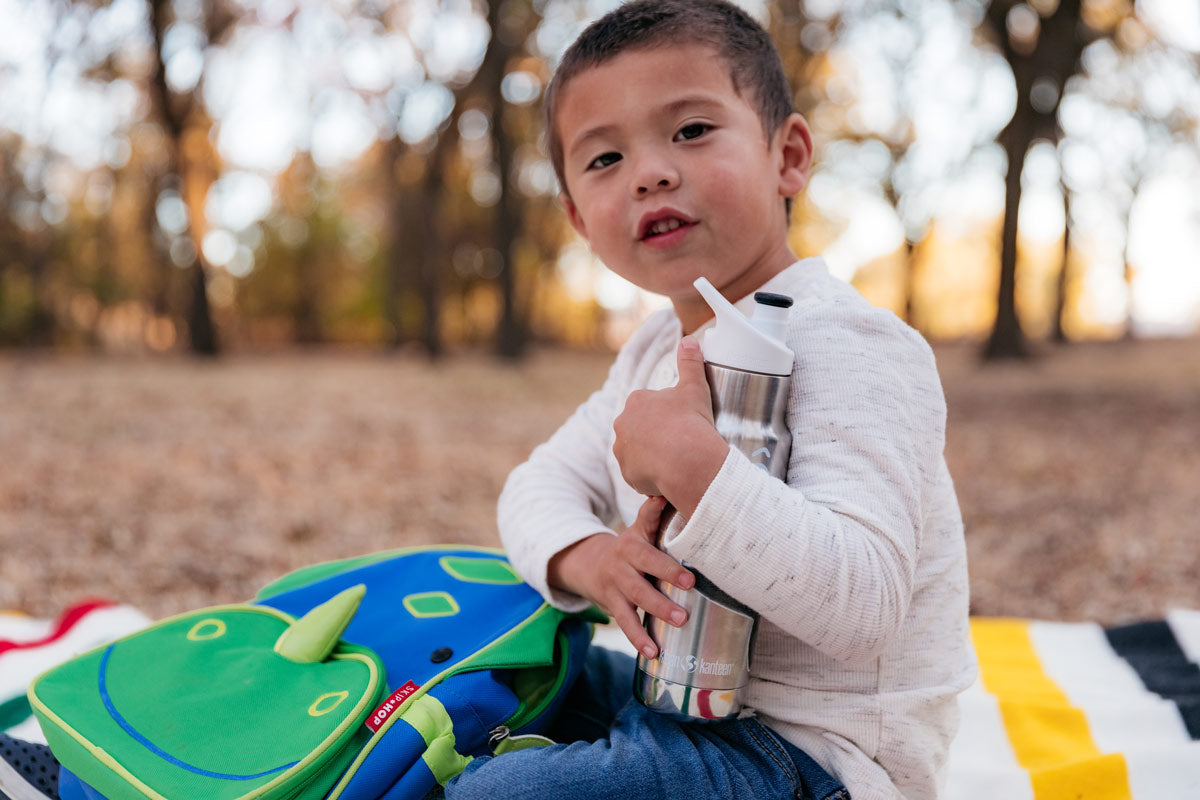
(468, 657)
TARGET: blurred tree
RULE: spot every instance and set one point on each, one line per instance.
(440, 200)
(407, 244)
(421, 239)
(895, 136)
(305, 278)
(25, 201)
(1042, 43)
(449, 232)
(423, 189)
(24, 246)
(307, 259)
(1058, 331)
(509, 22)
(864, 111)
(189, 165)
(1159, 130)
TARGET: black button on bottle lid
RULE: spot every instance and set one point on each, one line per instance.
(440, 655)
(772, 299)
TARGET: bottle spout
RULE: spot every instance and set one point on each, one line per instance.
(716, 301)
(753, 345)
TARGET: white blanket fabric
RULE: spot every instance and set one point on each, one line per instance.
(29, 646)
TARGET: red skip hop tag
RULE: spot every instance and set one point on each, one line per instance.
(385, 709)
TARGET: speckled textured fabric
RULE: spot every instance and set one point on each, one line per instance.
(28, 771)
(857, 564)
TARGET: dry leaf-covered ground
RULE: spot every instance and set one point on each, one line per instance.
(171, 484)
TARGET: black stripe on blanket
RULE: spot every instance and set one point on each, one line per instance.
(1151, 649)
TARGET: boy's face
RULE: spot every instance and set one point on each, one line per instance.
(670, 176)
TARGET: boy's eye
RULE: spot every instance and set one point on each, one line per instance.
(693, 131)
(604, 160)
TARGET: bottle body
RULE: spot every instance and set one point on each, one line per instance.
(703, 668)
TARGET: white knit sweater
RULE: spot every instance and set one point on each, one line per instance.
(857, 565)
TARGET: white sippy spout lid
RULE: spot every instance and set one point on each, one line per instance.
(752, 345)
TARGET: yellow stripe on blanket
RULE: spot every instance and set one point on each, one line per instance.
(1050, 737)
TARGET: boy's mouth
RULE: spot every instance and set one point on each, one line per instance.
(662, 222)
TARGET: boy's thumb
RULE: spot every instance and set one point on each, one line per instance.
(690, 363)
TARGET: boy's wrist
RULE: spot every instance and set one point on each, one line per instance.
(560, 569)
(692, 470)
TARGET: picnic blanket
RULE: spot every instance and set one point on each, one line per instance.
(29, 646)
(1074, 710)
(1061, 711)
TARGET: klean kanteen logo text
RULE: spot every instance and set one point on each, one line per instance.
(385, 709)
(691, 664)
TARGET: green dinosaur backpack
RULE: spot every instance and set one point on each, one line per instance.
(380, 675)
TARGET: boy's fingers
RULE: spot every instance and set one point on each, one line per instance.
(662, 566)
(627, 620)
(657, 604)
(647, 559)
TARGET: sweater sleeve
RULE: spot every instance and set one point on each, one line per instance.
(564, 492)
(830, 556)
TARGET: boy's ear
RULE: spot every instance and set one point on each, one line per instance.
(573, 214)
(794, 142)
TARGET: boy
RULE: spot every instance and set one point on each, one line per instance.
(671, 128)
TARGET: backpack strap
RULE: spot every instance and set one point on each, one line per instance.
(431, 720)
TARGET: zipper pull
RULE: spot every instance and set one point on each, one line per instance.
(502, 741)
(497, 735)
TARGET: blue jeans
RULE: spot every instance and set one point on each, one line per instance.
(612, 748)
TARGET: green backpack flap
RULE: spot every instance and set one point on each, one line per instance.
(238, 701)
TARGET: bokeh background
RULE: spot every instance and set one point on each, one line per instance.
(287, 280)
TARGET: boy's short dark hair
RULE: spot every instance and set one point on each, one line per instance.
(753, 60)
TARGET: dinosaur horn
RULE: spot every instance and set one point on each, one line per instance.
(312, 637)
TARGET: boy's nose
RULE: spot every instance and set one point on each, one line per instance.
(663, 183)
(655, 173)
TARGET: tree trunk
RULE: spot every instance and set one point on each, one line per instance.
(430, 255)
(42, 324)
(433, 252)
(1127, 334)
(1127, 273)
(1053, 56)
(202, 334)
(910, 283)
(306, 315)
(511, 337)
(157, 250)
(397, 272)
(1058, 333)
(1007, 340)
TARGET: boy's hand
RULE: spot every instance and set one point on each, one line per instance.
(665, 441)
(612, 571)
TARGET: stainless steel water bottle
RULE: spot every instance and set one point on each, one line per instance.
(702, 669)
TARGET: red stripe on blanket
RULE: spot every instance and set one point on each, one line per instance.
(69, 619)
